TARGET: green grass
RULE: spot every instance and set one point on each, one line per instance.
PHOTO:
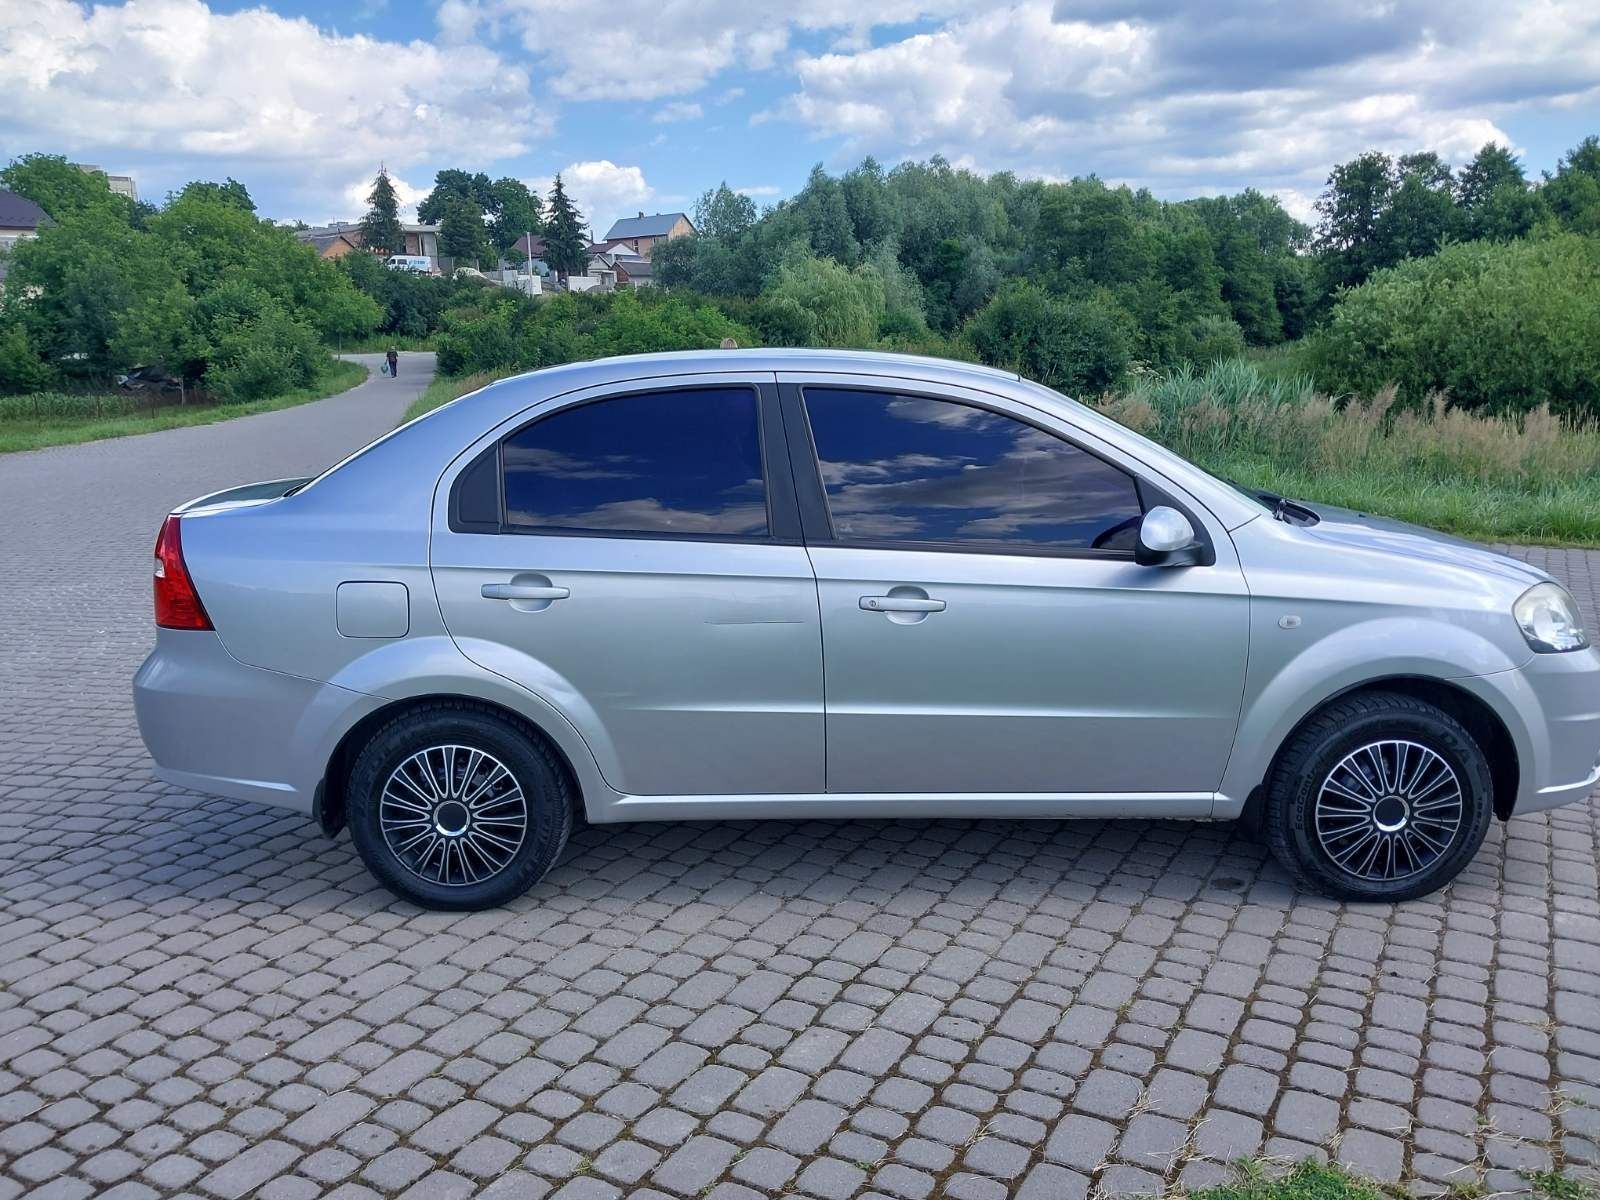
(446, 388)
(30, 433)
(1564, 513)
(1308, 1181)
(1530, 477)
(1256, 1180)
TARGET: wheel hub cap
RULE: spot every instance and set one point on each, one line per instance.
(1388, 810)
(453, 815)
(452, 818)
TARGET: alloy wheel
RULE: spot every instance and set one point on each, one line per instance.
(453, 815)
(1388, 810)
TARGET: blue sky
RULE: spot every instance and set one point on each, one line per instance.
(642, 104)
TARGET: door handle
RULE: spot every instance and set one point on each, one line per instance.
(524, 591)
(905, 604)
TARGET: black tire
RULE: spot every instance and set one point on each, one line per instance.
(1300, 836)
(546, 811)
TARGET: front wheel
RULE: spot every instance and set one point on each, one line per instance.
(1378, 797)
(453, 807)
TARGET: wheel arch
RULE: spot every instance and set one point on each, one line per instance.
(1474, 714)
(329, 803)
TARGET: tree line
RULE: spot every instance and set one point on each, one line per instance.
(1079, 284)
(480, 218)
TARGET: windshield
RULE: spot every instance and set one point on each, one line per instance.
(1266, 499)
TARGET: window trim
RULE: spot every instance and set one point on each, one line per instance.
(783, 517)
(817, 518)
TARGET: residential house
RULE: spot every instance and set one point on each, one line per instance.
(19, 218)
(421, 240)
(331, 245)
(642, 232)
(633, 271)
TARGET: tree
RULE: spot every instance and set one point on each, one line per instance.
(566, 247)
(60, 188)
(822, 207)
(1491, 167)
(1089, 232)
(1352, 209)
(380, 228)
(516, 211)
(450, 182)
(841, 306)
(723, 214)
(160, 330)
(1420, 217)
(232, 192)
(866, 199)
(1573, 193)
(461, 232)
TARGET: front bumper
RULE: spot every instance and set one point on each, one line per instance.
(215, 725)
(1555, 699)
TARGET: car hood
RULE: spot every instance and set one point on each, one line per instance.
(1345, 527)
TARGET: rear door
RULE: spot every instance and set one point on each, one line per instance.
(985, 626)
(633, 556)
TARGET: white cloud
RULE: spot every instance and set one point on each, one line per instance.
(669, 47)
(226, 92)
(755, 191)
(602, 191)
(1187, 98)
(678, 110)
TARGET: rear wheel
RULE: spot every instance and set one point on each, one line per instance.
(454, 807)
(1378, 797)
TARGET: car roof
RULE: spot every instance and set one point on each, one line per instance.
(690, 362)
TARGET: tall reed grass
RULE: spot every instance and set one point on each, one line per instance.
(1534, 476)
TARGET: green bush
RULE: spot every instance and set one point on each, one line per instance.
(1214, 339)
(1501, 327)
(818, 302)
(20, 368)
(476, 339)
(1077, 344)
(513, 334)
(266, 357)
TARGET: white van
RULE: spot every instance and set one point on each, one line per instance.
(410, 262)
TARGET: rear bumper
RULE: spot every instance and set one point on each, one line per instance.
(215, 725)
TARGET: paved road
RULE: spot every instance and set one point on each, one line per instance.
(198, 995)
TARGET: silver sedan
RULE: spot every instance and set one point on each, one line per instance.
(740, 584)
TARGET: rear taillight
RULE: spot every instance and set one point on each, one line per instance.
(177, 603)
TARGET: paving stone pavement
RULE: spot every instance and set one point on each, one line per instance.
(201, 996)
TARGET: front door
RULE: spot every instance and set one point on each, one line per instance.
(634, 572)
(985, 628)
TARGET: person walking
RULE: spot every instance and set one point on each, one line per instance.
(394, 362)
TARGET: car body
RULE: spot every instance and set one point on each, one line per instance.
(916, 628)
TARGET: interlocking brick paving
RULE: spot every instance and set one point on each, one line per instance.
(203, 996)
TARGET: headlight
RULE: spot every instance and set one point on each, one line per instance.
(1549, 619)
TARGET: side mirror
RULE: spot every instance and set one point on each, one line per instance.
(1166, 539)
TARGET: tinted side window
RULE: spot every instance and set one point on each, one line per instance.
(904, 468)
(684, 462)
